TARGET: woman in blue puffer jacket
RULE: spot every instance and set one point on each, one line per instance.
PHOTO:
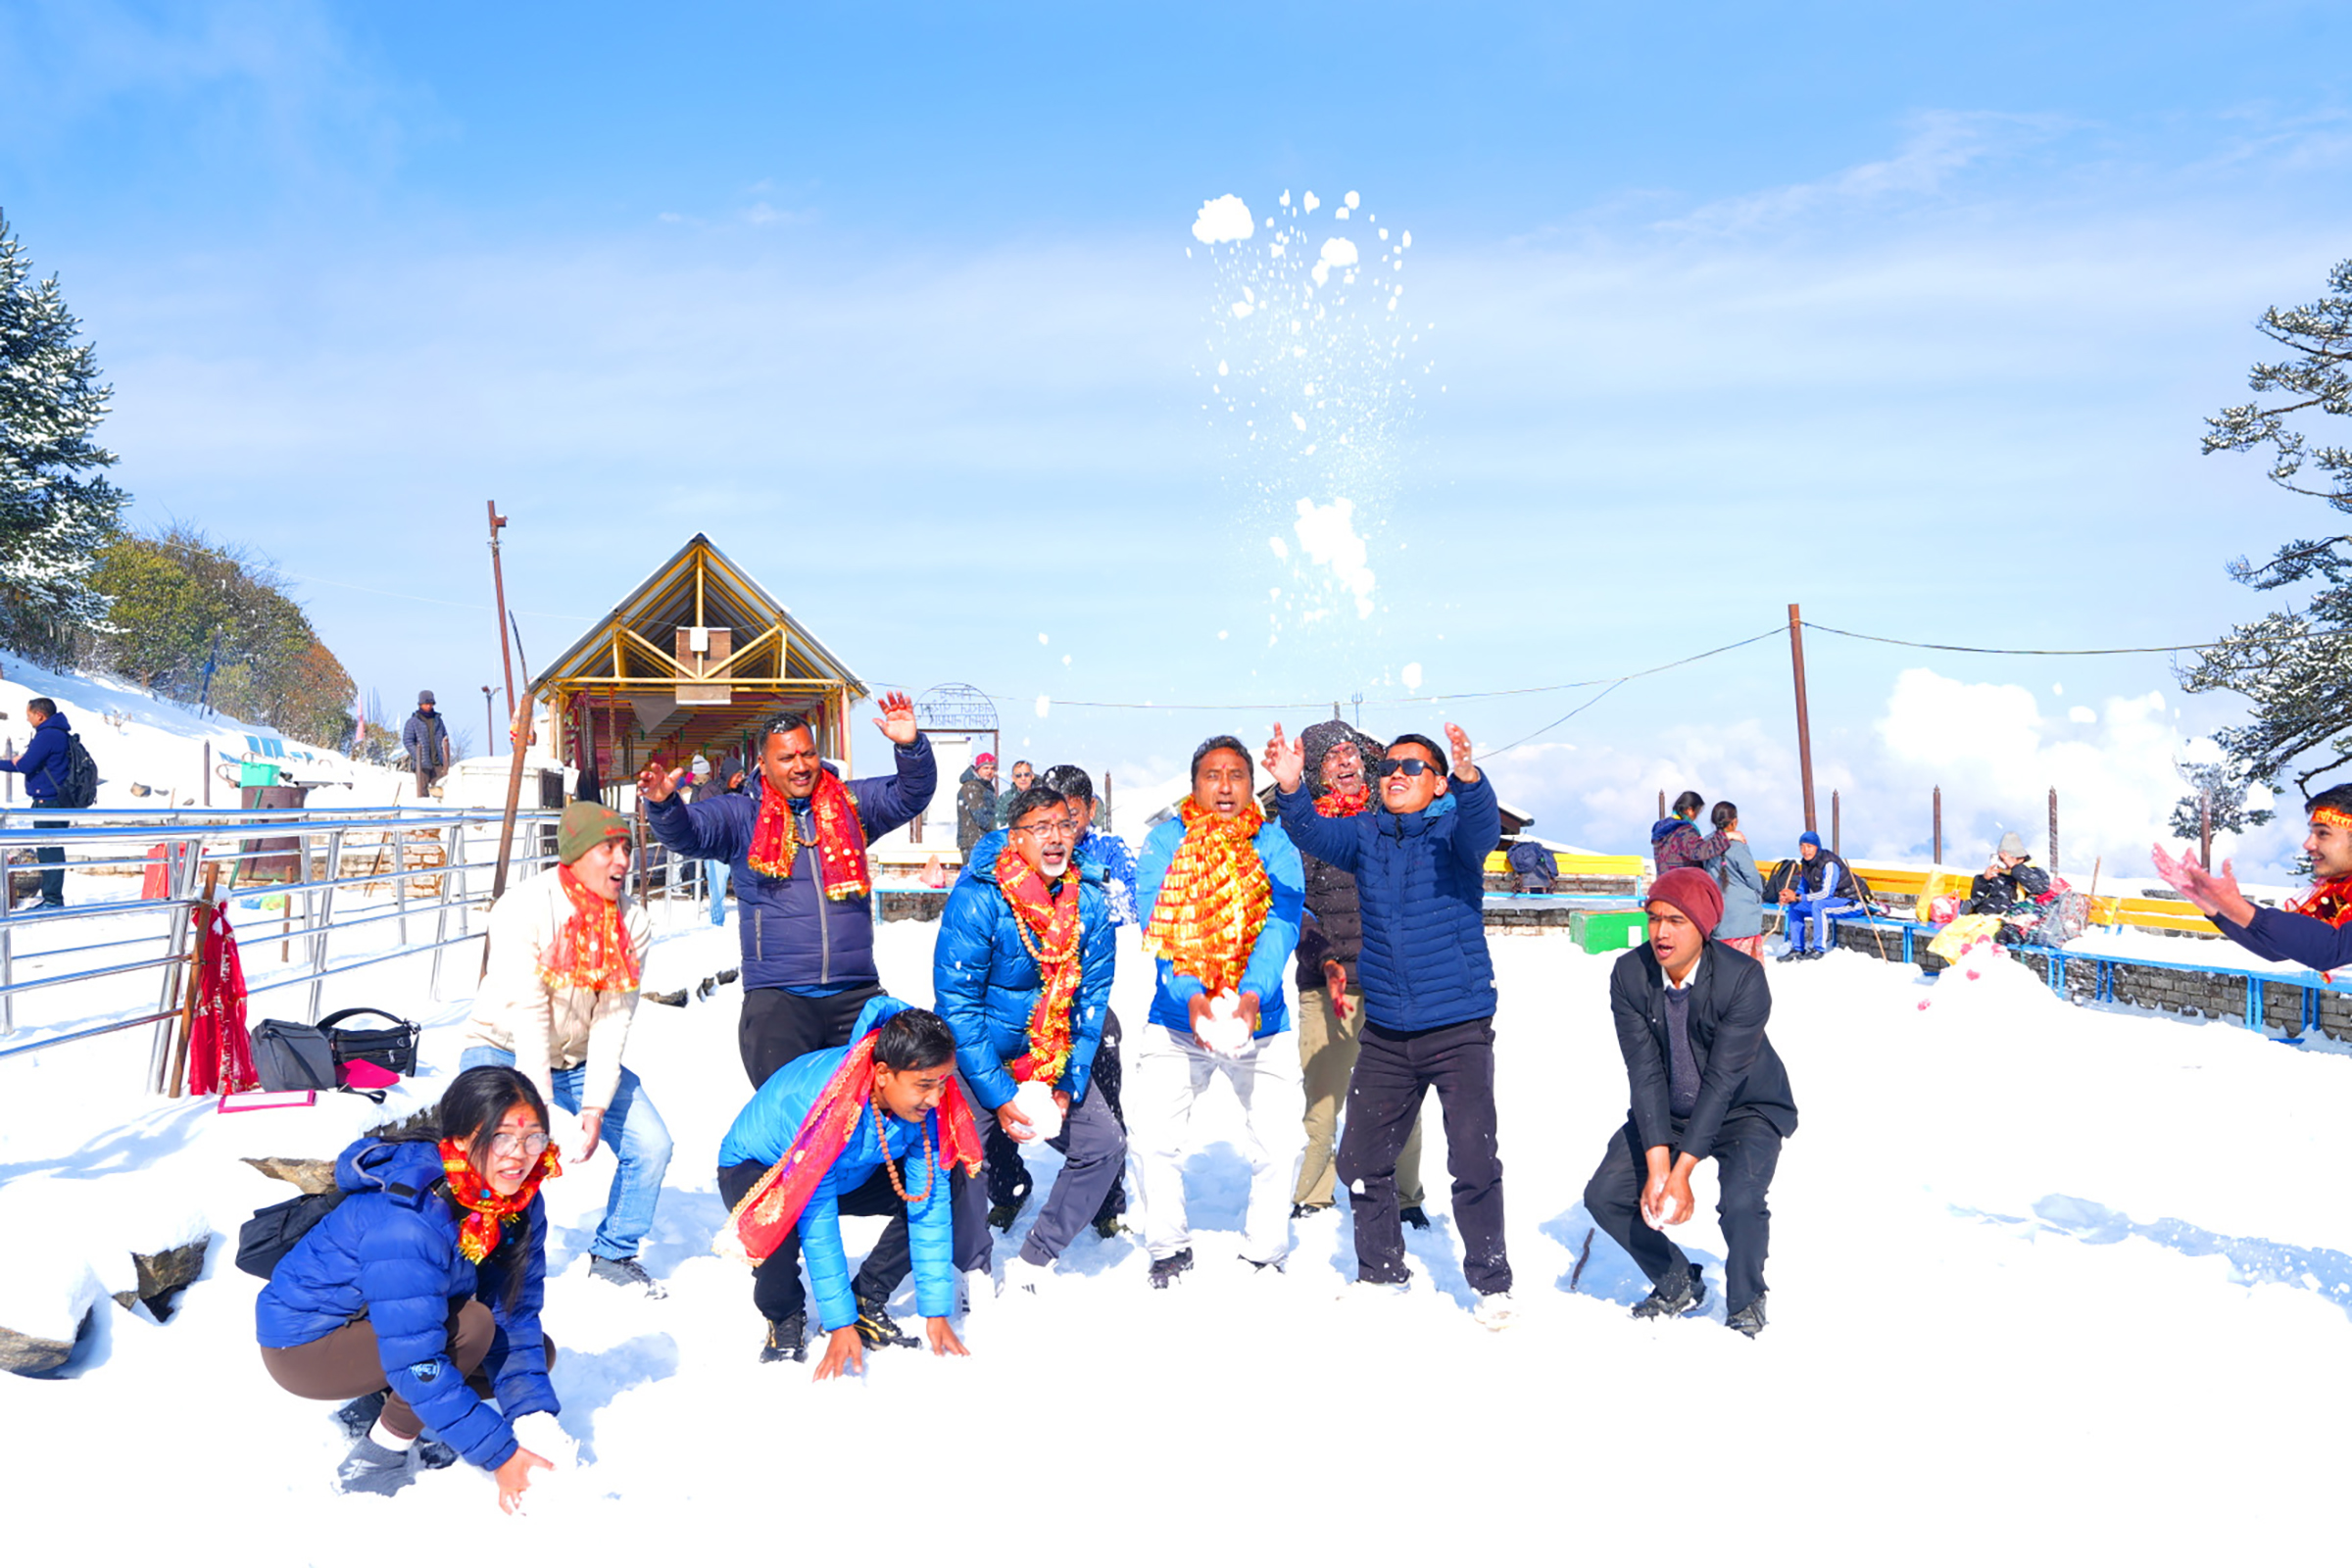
(419, 1292)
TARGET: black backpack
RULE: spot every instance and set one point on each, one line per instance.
(264, 1240)
(80, 786)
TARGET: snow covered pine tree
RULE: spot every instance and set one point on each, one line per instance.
(2293, 667)
(56, 506)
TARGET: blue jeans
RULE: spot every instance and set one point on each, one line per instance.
(714, 881)
(1815, 913)
(632, 1130)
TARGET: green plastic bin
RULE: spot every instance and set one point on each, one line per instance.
(1613, 930)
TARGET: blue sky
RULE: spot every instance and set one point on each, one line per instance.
(1911, 316)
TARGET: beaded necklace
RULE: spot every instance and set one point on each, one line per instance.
(930, 1152)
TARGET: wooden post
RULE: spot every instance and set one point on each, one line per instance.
(1834, 849)
(178, 1069)
(1939, 824)
(2205, 830)
(1661, 805)
(498, 583)
(1804, 721)
(2053, 829)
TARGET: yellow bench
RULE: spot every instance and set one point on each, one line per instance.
(2144, 914)
(1499, 863)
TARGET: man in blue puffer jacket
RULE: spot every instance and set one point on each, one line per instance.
(385, 1261)
(47, 763)
(990, 973)
(885, 1168)
(1419, 863)
(803, 893)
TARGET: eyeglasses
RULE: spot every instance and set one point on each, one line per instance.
(1409, 766)
(1057, 828)
(518, 1144)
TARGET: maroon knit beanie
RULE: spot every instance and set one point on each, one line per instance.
(1693, 891)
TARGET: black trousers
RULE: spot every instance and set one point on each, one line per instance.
(1748, 1149)
(52, 859)
(778, 1027)
(1394, 1070)
(776, 1287)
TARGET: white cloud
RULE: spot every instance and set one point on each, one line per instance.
(1227, 217)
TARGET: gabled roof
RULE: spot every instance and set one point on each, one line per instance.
(701, 586)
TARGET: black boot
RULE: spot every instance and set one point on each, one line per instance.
(359, 1416)
(786, 1340)
(1749, 1319)
(1690, 1298)
(1304, 1210)
(1165, 1269)
(1414, 1218)
(877, 1327)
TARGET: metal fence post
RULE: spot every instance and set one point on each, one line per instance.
(400, 877)
(326, 915)
(181, 888)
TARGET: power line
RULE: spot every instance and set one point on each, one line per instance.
(2036, 652)
(1654, 669)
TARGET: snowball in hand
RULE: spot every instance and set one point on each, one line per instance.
(1035, 1101)
(1225, 1029)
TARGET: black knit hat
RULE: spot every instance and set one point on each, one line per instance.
(1317, 740)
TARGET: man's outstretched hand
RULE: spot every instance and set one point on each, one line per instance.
(2211, 892)
(1286, 760)
(656, 783)
(897, 719)
(1465, 768)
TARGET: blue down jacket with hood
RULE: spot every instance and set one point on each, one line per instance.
(1422, 880)
(765, 1127)
(987, 983)
(389, 1253)
(792, 934)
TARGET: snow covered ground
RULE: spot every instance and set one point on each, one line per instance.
(2060, 1284)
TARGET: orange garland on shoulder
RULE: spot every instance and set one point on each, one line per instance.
(591, 950)
(1046, 922)
(1215, 898)
(840, 838)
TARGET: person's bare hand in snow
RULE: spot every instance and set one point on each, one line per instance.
(1286, 760)
(657, 783)
(843, 1352)
(514, 1477)
(1018, 1127)
(897, 719)
(941, 1336)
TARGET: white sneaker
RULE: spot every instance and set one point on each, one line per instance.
(1496, 1311)
(1024, 1280)
(978, 1288)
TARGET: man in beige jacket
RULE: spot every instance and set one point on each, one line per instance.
(567, 958)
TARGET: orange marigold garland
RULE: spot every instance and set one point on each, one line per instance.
(1048, 922)
(487, 1209)
(591, 950)
(1214, 900)
(840, 843)
(1343, 803)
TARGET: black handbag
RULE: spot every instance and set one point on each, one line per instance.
(394, 1048)
(293, 1057)
(266, 1238)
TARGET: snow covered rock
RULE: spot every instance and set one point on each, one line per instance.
(160, 1276)
(45, 1300)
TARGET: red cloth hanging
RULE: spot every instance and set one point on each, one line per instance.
(220, 1050)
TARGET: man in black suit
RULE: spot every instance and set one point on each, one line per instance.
(1706, 1084)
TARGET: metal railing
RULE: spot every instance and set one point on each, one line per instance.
(440, 864)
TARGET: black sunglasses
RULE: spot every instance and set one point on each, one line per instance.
(1409, 766)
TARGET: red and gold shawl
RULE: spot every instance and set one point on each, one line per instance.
(1214, 900)
(487, 1209)
(1335, 802)
(1048, 922)
(773, 1207)
(591, 951)
(2330, 902)
(841, 867)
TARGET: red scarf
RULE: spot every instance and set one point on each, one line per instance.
(1214, 900)
(486, 1209)
(2330, 902)
(220, 1050)
(1337, 804)
(770, 1210)
(1047, 924)
(841, 868)
(592, 949)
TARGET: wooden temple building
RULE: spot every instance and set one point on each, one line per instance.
(695, 659)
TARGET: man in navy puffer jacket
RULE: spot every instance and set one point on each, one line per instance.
(1419, 864)
(987, 977)
(807, 948)
(386, 1259)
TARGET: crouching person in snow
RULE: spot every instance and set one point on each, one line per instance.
(1706, 1085)
(1022, 971)
(1419, 864)
(838, 1132)
(2315, 932)
(417, 1296)
(1225, 891)
(567, 952)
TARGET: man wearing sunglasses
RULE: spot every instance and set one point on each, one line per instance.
(1429, 994)
(1022, 973)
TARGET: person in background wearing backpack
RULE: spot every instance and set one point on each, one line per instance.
(49, 768)
(567, 959)
(417, 1298)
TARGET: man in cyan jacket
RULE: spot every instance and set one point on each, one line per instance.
(1429, 995)
(1022, 973)
(795, 843)
(1706, 1084)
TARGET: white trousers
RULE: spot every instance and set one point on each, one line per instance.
(1166, 1071)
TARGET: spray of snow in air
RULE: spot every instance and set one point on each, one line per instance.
(1309, 375)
